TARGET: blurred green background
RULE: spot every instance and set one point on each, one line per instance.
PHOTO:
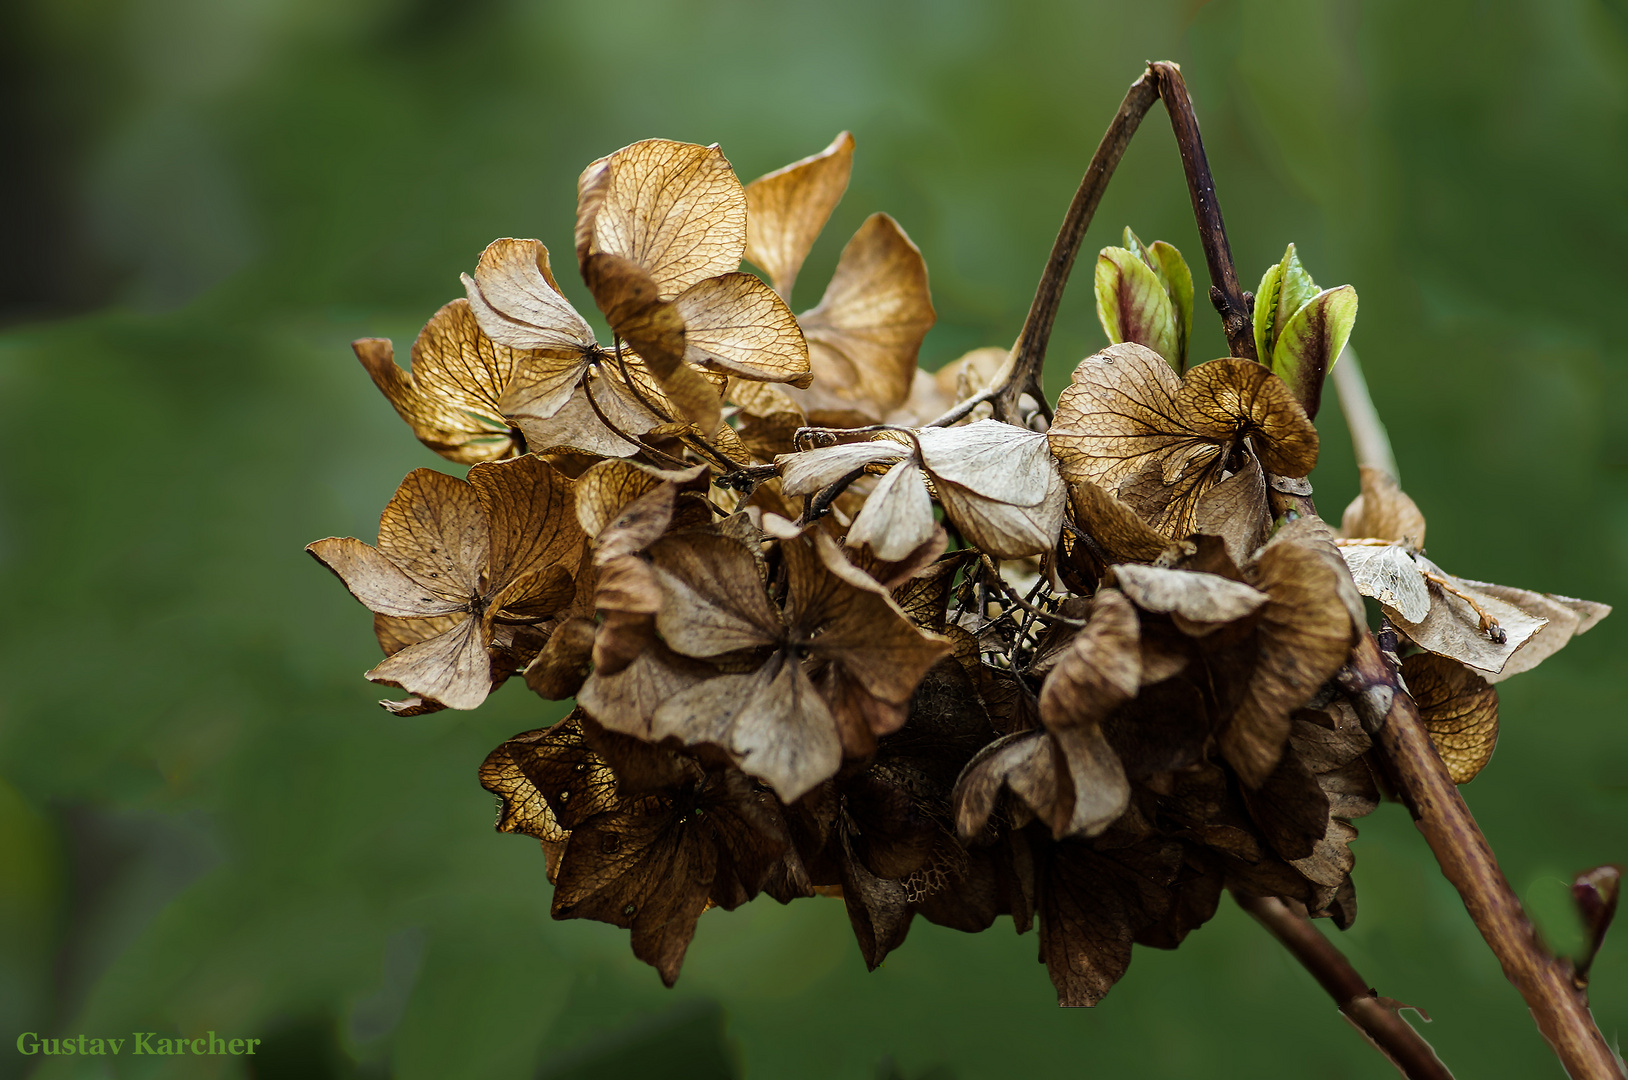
(206, 823)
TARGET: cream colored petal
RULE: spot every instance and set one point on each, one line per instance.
(379, 583)
(864, 335)
(1002, 529)
(1567, 617)
(451, 668)
(1389, 575)
(435, 530)
(897, 517)
(1195, 596)
(807, 472)
(786, 209)
(996, 460)
(518, 303)
(1453, 626)
(675, 209)
(736, 323)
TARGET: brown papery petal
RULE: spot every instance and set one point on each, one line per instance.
(864, 335)
(379, 583)
(713, 601)
(613, 509)
(1567, 615)
(450, 668)
(786, 209)
(1118, 415)
(1196, 597)
(736, 323)
(630, 299)
(674, 209)
(532, 517)
(858, 627)
(1383, 511)
(807, 472)
(1304, 636)
(1229, 398)
(1459, 710)
(996, 460)
(519, 304)
(435, 529)
(1122, 535)
(1100, 670)
(1002, 529)
(1092, 906)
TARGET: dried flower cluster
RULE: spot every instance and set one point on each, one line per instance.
(834, 629)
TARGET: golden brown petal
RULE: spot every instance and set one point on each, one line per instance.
(1117, 529)
(1459, 710)
(786, 209)
(864, 335)
(674, 209)
(518, 303)
(435, 529)
(451, 668)
(451, 397)
(531, 514)
(736, 324)
(1118, 415)
(1383, 511)
(1229, 398)
(379, 583)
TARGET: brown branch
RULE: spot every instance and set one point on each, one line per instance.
(1378, 1022)
(1466, 859)
(1029, 354)
(1224, 293)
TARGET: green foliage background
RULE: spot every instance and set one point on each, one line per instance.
(205, 823)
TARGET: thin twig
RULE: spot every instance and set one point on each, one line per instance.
(1029, 354)
(1212, 231)
(1380, 1024)
(1369, 438)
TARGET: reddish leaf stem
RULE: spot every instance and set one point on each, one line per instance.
(1378, 1022)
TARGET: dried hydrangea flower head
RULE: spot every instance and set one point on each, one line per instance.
(837, 626)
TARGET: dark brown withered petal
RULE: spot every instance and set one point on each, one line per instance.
(1092, 907)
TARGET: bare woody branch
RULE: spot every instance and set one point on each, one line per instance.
(1379, 1023)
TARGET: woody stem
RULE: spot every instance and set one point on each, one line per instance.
(1392, 1036)
(1467, 860)
(1029, 354)
(1417, 771)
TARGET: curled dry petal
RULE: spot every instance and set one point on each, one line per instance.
(786, 209)
(1459, 710)
(897, 517)
(518, 303)
(1126, 417)
(1466, 623)
(999, 485)
(452, 397)
(1383, 511)
(807, 472)
(864, 334)
(1117, 529)
(1304, 636)
(1199, 601)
